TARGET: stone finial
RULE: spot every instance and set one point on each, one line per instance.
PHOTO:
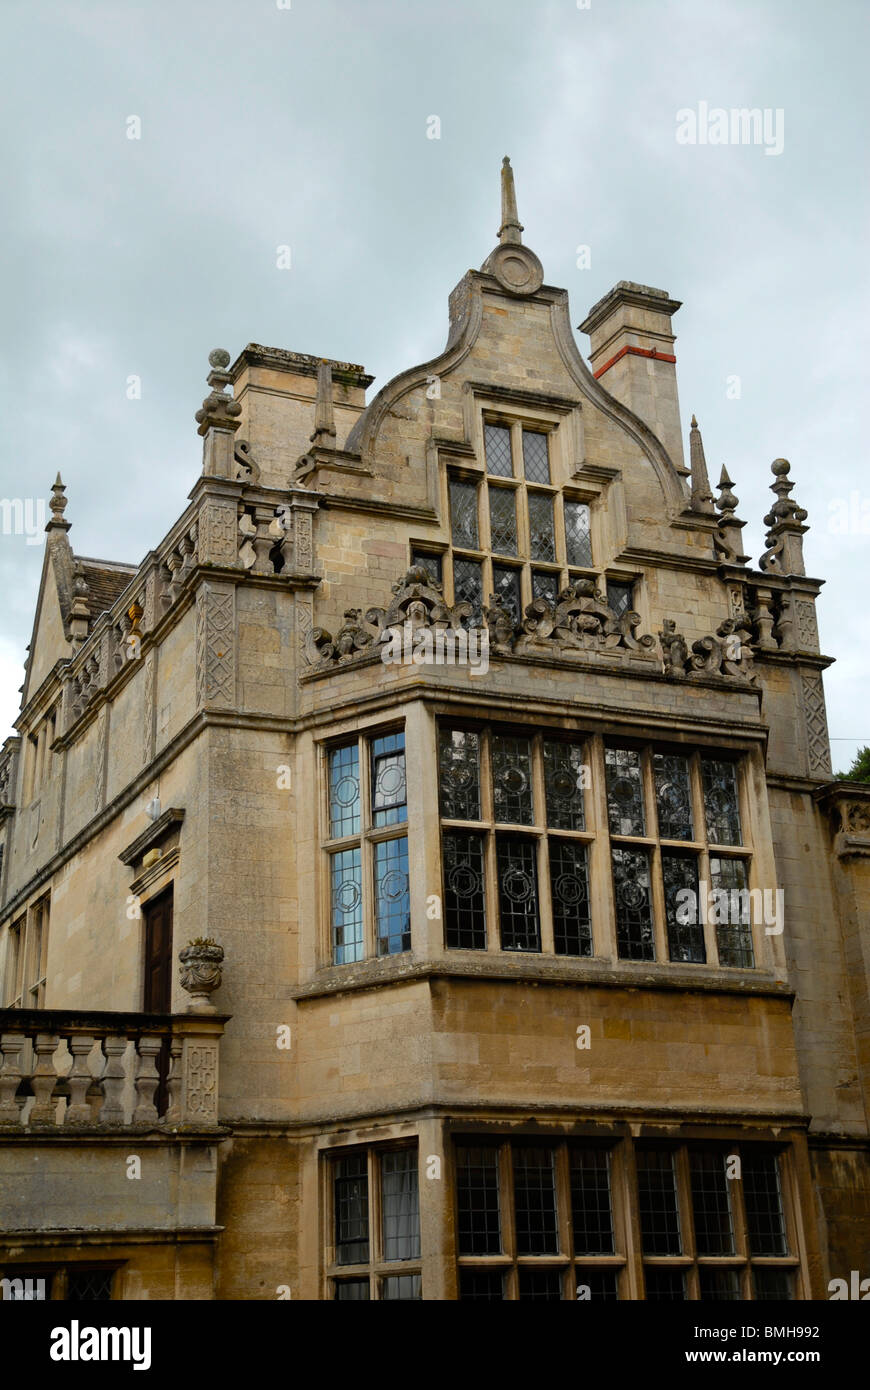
(324, 415)
(727, 537)
(57, 504)
(702, 497)
(784, 539)
(219, 410)
(201, 973)
(515, 267)
(511, 228)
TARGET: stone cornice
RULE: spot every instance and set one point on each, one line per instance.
(377, 974)
(163, 826)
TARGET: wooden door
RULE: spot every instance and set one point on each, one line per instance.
(158, 978)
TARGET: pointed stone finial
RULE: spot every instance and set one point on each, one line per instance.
(57, 504)
(515, 267)
(702, 497)
(727, 538)
(511, 228)
(784, 539)
(324, 414)
(726, 503)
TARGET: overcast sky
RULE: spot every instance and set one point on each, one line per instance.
(307, 126)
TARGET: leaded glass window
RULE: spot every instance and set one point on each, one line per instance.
(477, 1191)
(89, 1285)
(536, 458)
(400, 1205)
(463, 514)
(459, 758)
(543, 1285)
(673, 796)
(518, 893)
(592, 1217)
(506, 587)
(351, 1202)
(344, 791)
(347, 906)
(497, 447)
(603, 1284)
(719, 1285)
(773, 1284)
(503, 520)
(542, 532)
(481, 1285)
(468, 587)
(565, 774)
(512, 779)
(619, 596)
(731, 912)
(657, 1203)
(721, 802)
(404, 1287)
(369, 910)
(682, 911)
(664, 1285)
(376, 1224)
(578, 534)
(464, 895)
(569, 887)
(392, 898)
(389, 795)
(624, 792)
(430, 562)
(535, 1201)
(762, 1197)
(545, 585)
(711, 1204)
(633, 902)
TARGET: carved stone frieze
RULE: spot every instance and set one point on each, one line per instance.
(816, 719)
(727, 653)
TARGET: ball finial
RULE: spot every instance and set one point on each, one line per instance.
(219, 358)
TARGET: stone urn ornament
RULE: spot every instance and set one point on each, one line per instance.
(201, 968)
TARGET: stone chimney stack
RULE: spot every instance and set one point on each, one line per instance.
(633, 358)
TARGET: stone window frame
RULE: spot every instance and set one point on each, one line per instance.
(59, 1276)
(365, 839)
(560, 489)
(628, 1260)
(27, 989)
(689, 1262)
(600, 842)
(376, 1268)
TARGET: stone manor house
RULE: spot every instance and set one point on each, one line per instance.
(541, 976)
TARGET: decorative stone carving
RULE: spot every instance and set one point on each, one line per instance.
(580, 620)
(247, 469)
(501, 625)
(416, 599)
(807, 627)
(200, 1082)
(215, 646)
(727, 539)
(675, 652)
(102, 737)
(148, 710)
(728, 653)
(201, 967)
(785, 553)
(218, 534)
(218, 410)
(816, 720)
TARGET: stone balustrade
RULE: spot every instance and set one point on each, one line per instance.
(70, 1070)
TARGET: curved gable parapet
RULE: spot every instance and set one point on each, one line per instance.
(466, 315)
